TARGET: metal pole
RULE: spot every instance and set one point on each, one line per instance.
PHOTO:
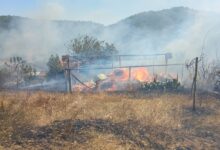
(166, 64)
(78, 66)
(119, 60)
(153, 66)
(112, 63)
(182, 72)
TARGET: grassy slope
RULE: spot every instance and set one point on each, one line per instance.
(101, 121)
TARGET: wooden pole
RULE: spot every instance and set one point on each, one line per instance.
(129, 82)
(69, 76)
(153, 66)
(129, 71)
(166, 62)
(112, 63)
(2, 106)
(182, 72)
(17, 80)
(194, 84)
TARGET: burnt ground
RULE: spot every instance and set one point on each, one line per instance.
(78, 131)
(132, 132)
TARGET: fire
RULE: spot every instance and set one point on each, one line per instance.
(119, 80)
(120, 75)
(139, 74)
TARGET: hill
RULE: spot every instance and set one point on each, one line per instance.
(152, 20)
(158, 20)
(151, 30)
(146, 32)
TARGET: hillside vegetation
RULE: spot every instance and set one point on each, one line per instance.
(42, 120)
(151, 20)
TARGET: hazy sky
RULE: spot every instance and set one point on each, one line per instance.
(101, 11)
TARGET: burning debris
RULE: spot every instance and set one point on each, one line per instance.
(126, 80)
(132, 76)
(119, 79)
(137, 74)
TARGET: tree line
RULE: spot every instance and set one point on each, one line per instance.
(18, 70)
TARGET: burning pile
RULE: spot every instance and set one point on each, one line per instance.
(128, 79)
(136, 74)
(119, 79)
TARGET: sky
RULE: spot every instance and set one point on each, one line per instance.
(100, 11)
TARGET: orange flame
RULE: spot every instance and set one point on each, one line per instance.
(139, 74)
(120, 77)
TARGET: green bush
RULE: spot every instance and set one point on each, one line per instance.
(171, 85)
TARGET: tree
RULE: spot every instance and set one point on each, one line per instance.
(20, 69)
(91, 48)
(4, 76)
(14, 65)
(55, 67)
(28, 72)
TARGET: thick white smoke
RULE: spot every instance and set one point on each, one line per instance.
(36, 40)
(201, 37)
(33, 39)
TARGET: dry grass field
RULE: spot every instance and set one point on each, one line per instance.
(40, 120)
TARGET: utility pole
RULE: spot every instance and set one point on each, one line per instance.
(194, 84)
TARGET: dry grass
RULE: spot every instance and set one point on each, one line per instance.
(42, 120)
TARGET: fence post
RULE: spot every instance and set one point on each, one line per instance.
(194, 84)
(2, 106)
(129, 71)
(119, 61)
(112, 63)
(182, 73)
(69, 76)
(129, 78)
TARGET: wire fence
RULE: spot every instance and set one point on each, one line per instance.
(154, 68)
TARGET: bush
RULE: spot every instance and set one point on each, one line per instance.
(171, 85)
(55, 67)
